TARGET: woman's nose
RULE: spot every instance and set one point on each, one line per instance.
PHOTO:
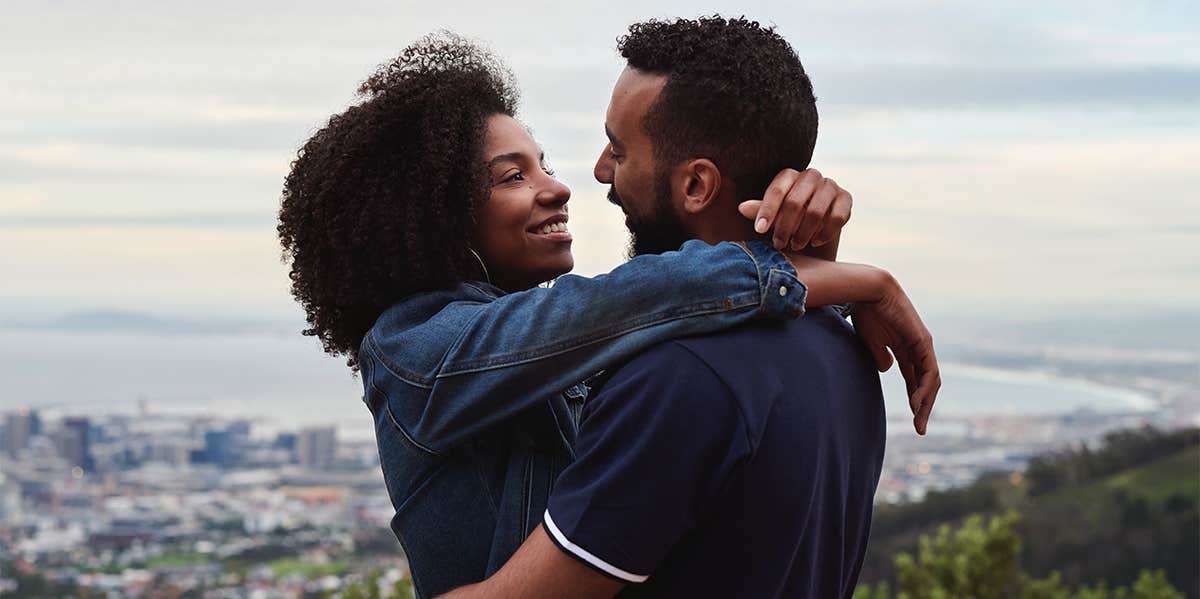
(555, 192)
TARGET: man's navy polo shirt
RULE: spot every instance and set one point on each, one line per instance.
(737, 464)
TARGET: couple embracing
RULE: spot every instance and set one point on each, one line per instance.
(701, 421)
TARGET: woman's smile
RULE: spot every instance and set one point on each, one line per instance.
(552, 229)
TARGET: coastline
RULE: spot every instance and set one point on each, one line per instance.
(1136, 399)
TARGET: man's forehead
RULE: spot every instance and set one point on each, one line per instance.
(634, 92)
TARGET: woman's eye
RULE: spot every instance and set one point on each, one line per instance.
(514, 176)
(549, 171)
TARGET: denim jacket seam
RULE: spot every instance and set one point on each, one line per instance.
(526, 492)
(558, 427)
(753, 258)
(624, 328)
(376, 353)
(491, 497)
(403, 431)
(763, 278)
(419, 487)
(387, 406)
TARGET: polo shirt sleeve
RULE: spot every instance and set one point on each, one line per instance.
(655, 447)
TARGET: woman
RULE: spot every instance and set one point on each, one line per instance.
(419, 223)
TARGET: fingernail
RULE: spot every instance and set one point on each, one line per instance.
(760, 226)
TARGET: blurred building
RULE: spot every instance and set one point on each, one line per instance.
(220, 448)
(19, 427)
(74, 442)
(316, 448)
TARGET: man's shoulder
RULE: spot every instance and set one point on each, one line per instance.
(668, 381)
(766, 343)
(658, 365)
(762, 343)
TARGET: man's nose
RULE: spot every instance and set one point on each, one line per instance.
(603, 170)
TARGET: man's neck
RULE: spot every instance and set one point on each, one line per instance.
(723, 224)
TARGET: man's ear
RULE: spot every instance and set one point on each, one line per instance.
(699, 184)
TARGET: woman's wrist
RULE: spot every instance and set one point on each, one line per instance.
(831, 283)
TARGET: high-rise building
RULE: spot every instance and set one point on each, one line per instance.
(220, 448)
(19, 427)
(74, 442)
(316, 448)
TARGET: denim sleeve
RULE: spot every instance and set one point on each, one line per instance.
(520, 349)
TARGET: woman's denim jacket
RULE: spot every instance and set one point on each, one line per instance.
(476, 394)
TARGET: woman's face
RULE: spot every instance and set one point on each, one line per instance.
(521, 230)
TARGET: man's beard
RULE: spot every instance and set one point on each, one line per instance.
(662, 232)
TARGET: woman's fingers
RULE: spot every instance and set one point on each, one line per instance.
(835, 221)
(931, 383)
(749, 208)
(911, 383)
(815, 214)
(883, 358)
(792, 207)
(874, 335)
(922, 376)
(928, 391)
(772, 200)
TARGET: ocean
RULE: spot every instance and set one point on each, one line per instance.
(286, 382)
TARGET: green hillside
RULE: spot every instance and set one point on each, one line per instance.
(1090, 514)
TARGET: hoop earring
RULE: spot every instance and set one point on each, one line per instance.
(486, 276)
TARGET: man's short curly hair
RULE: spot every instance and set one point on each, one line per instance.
(736, 94)
(380, 202)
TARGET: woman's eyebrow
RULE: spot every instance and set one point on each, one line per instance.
(509, 157)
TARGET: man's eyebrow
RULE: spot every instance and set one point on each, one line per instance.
(513, 157)
(611, 137)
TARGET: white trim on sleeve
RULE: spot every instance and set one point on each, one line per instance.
(586, 556)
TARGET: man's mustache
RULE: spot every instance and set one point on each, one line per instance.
(613, 198)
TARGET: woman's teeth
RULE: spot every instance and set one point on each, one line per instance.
(553, 228)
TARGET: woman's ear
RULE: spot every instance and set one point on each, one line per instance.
(699, 183)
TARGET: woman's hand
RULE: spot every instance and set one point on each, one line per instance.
(893, 323)
(805, 209)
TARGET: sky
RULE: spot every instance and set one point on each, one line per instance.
(1006, 158)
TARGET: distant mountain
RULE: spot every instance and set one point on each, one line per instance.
(118, 321)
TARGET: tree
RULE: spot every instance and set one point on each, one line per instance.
(370, 589)
(983, 562)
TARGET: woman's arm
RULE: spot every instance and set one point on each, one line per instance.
(476, 363)
(512, 353)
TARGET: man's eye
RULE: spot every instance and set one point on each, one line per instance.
(613, 155)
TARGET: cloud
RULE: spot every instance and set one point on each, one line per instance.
(52, 159)
(212, 220)
(1008, 88)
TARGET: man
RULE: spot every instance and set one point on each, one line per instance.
(709, 466)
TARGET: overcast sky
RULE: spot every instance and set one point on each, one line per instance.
(1005, 157)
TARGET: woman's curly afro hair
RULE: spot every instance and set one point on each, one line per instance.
(379, 203)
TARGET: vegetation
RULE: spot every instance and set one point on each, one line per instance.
(372, 589)
(978, 561)
(34, 585)
(308, 569)
(1127, 512)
